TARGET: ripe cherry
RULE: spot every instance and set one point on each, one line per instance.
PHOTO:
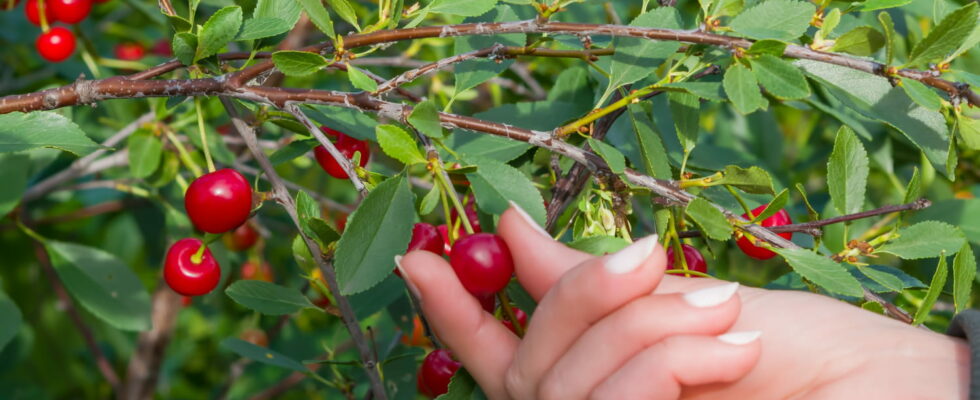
(242, 238)
(777, 219)
(129, 51)
(436, 371)
(488, 303)
(424, 237)
(31, 11)
(161, 47)
(186, 272)
(347, 146)
(255, 336)
(56, 45)
(256, 272)
(69, 11)
(219, 201)
(471, 215)
(443, 229)
(482, 263)
(693, 258)
(521, 319)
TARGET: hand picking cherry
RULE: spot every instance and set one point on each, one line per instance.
(219, 201)
(482, 263)
(188, 274)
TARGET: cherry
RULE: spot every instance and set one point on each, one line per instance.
(129, 51)
(471, 215)
(347, 146)
(436, 371)
(255, 336)
(160, 48)
(482, 263)
(521, 319)
(70, 11)
(31, 10)
(254, 271)
(184, 275)
(425, 237)
(488, 303)
(693, 258)
(242, 238)
(56, 45)
(219, 201)
(777, 219)
(444, 232)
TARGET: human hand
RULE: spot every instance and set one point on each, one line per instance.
(813, 346)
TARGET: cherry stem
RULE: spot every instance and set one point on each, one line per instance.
(509, 312)
(440, 175)
(199, 255)
(42, 15)
(182, 153)
(204, 136)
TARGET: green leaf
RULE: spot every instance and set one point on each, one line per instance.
(319, 16)
(780, 78)
(262, 354)
(770, 46)
(860, 41)
(10, 319)
(360, 80)
(706, 90)
(425, 118)
(220, 29)
(889, 27)
(751, 180)
(20, 132)
(474, 72)
(306, 209)
(922, 94)
(145, 151)
(179, 24)
(466, 8)
(494, 183)
(743, 89)
(685, 109)
(268, 298)
(636, 58)
(968, 130)
(298, 63)
(778, 203)
(613, 158)
(398, 144)
(830, 22)
(286, 10)
(258, 28)
(914, 188)
(378, 231)
(872, 5)
(775, 19)
(889, 282)
(881, 278)
(430, 201)
(14, 173)
(184, 46)
(599, 245)
(345, 11)
(847, 172)
(462, 386)
(935, 289)
(651, 147)
(964, 270)
(102, 284)
(711, 221)
(947, 36)
(925, 240)
(822, 271)
(294, 149)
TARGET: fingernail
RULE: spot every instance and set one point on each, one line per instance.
(408, 280)
(530, 221)
(711, 296)
(740, 338)
(632, 256)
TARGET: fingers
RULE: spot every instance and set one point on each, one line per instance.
(659, 372)
(582, 297)
(539, 260)
(645, 322)
(484, 345)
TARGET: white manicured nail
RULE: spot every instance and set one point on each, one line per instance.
(632, 256)
(530, 221)
(711, 296)
(407, 279)
(740, 338)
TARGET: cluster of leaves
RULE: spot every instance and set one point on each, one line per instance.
(818, 139)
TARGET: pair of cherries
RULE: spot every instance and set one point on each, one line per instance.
(216, 202)
(57, 43)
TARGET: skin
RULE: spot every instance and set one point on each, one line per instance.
(601, 335)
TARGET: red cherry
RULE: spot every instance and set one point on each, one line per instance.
(219, 201)
(424, 237)
(444, 232)
(488, 303)
(70, 11)
(777, 219)
(521, 319)
(482, 263)
(693, 258)
(160, 48)
(56, 45)
(254, 271)
(471, 215)
(436, 371)
(347, 146)
(242, 238)
(129, 51)
(30, 9)
(185, 276)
